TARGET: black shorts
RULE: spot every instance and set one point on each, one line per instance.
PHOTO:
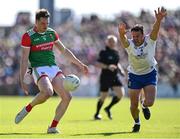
(107, 82)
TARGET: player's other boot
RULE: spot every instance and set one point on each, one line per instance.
(108, 112)
(20, 116)
(146, 113)
(136, 128)
(52, 130)
(97, 117)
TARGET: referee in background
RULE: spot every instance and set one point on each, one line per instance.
(108, 61)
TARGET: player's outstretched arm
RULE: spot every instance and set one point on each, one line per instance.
(122, 35)
(160, 13)
(71, 57)
(68, 54)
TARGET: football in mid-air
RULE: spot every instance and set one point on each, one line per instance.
(71, 82)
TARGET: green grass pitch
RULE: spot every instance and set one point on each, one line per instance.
(78, 120)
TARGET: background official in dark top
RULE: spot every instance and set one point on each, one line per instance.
(108, 61)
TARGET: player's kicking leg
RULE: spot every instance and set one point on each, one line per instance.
(44, 85)
(21, 115)
(40, 98)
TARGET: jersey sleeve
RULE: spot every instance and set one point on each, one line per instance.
(56, 36)
(26, 40)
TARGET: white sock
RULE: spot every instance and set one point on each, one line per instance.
(137, 123)
(143, 105)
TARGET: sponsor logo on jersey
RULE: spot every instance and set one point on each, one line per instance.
(42, 47)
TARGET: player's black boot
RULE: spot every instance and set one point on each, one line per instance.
(136, 128)
(108, 112)
(146, 112)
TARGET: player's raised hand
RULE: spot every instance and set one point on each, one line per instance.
(122, 28)
(160, 13)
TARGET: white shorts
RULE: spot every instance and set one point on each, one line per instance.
(50, 71)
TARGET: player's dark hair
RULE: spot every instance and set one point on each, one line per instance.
(138, 27)
(42, 13)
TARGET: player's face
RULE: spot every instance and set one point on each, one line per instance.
(42, 24)
(138, 37)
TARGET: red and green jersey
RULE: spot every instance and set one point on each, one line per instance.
(41, 47)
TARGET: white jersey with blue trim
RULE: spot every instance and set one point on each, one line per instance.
(141, 58)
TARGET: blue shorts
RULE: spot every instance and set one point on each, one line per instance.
(140, 81)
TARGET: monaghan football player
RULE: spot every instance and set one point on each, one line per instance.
(37, 48)
(142, 66)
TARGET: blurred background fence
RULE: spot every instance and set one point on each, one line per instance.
(85, 37)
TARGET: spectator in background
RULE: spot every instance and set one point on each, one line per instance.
(108, 61)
